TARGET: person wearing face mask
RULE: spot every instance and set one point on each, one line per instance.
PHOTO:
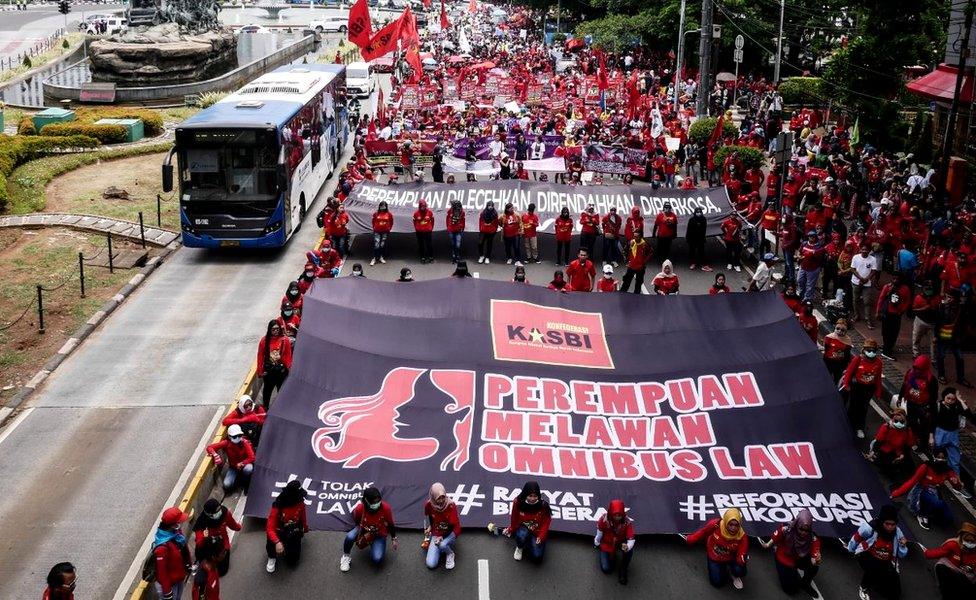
(171, 556)
(862, 382)
(249, 416)
(373, 520)
(287, 524)
(695, 233)
(893, 302)
(488, 223)
(890, 449)
(665, 230)
(878, 545)
(634, 227)
(611, 224)
(308, 277)
(726, 548)
(289, 320)
(210, 529)
(946, 418)
(564, 235)
(357, 271)
(519, 276)
(442, 526)
(423, 225)
(274, 360)
(293, 295)
(666, 282)
(920, 393)
(924, 489)
(797, 549)
(956, 566)
(406, 276)
(455, 228)
(61, 581)
(530, 520)
(559, 283)
(382, 226)
(589, 226)
(837, 350)
(615, 533)
(240, 456)
(607, 283)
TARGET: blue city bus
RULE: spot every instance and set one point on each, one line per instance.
(250, 165)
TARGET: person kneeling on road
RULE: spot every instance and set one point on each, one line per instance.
(797, 549)
(726, 547)
(240, 456)
(615, 532)
(287, 525)
(442, 527)
(249, 416)
(374, 522)
(956, 566)
(531, 517)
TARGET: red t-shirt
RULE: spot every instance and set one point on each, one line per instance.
(510, 224)
(423, 221)
(530, 222)
(667, 225)
(580, 274)
(382, 222)
(606, 284)
(589, 222)
(380, 520)
(564, 229)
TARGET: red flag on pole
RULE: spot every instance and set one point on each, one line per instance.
(413, 59)
(427, 4)
(444, 22)
(408, 30)
(360, 25)
(601, 74)
(713, 139)
(473, 6)
(633, 95)
(384, 42)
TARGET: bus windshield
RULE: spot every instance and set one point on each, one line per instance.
(227, 165)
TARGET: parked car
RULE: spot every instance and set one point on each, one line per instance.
(360, 81)
(329, 24)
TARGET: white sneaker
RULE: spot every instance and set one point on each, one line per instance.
(449, 561)
(508, 262)
(270, 567)
(481, 260)
(345, 562)
(382, 260)
(863, 594)
(518, 554)
(738, 269)
(518, 263)
(487, 261)
(372, 263)
(737, 583)
(728, 267)
(860, 434)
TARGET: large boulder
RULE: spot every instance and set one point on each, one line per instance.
(161, 55)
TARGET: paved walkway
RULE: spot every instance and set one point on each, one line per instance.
(117, 227)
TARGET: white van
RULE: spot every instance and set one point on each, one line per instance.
(360, 81)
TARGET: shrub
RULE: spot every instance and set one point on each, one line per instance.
(3, 193)
(751, 157)
(208, 99)
(801, 90)
(702, 129)
(151, 120)
(26, 127)
(65, 43)
(27, 62)
(106, 134)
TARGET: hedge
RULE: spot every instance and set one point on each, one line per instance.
(151, 120)
(17, 150)
(802, 90)
(751, 157)
(702, 129)
(106, 134)
(26, 127)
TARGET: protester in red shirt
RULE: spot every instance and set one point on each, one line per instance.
(581, 273)
(726, 548)
(488, 222)
(589, 225)
(206, 581)
(530, 237)
(797, 548)
(665, 283)
(920, 393)
(862, 382)
(530, 520)
(837, 350)
(559, 283)
(60, 582)
(511, 228)
(423, 226)
(171, 555)
(893, 303)
(638, 253)
(956, 566)
(892, 444)
(808, 321)
(607, 283)
(382, 226)
(455, 228)
(665, 230)
(719, 286)
(339, 230)
(274, 360)
(373, 520)
(610, 225)
(240, 456)
(442, 526)
(564, 234)
(634, 227)
(925, 500)
(287, 524)
(293, 295)
(615, 533)
(731, 228)
(210, 529)
(289, 320)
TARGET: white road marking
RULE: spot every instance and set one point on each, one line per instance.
(188, 470)
(813, 584)
(483, 592)
(13, 424)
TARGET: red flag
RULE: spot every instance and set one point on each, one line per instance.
(444, 22)
(381, 107)
(601, 73)
(360, 25)
(717, 132)
(427, 4)
(413, 59)
(384, 42)
(633, 95)
(473, 6)
(408, 31)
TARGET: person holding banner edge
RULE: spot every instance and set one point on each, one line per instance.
(373, 520)
(615, 532)
(726, 548)
(530, 520)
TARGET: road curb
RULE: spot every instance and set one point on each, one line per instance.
(79, 336)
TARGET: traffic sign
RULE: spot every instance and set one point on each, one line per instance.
(737, 55)
(739, 42)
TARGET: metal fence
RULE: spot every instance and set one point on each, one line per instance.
(14, 61)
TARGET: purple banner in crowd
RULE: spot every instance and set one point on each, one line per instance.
(483, 152)
(614, 159)
(549, 198)
(483, 385)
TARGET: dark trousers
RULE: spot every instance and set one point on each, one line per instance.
(273, 379)
(664, 248)
(607, 560)
(485, 242)
(830, 282)
(630, 275)
(425, 245)
(920, 421)
(562, 253)
(588, 242)
(720, 573)
(341, 244)
(733, 253)
(525, 540)
(293, 549)
(511, 247)
(836, 369)
(952, 583)
(696, 252)
(611, 250)
(890, 326)
(223, 565)
(859, 398)
(879, 576)
(789, 577)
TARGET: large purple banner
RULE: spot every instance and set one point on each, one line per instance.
(483, 152)
(682, 406)
(549, 198)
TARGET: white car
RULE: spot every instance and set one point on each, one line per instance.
(359, 80)
(330, 24)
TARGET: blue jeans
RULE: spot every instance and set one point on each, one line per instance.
(525, 540)
(607, 559)
(455, 245)
(925, 502)
(379, 245)
(434, 551)
(950, 441)
(720, 573)
(806, 283)
(176, 589)
(943, 346)
(230, 477)
(377, 550)
(789, 265)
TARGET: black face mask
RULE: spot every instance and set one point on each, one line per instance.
(520, 278)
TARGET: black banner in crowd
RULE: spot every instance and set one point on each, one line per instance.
(682, 406)
(549, 198)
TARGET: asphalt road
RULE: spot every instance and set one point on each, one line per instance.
(21, 29)
(89, 468)
(662, 563)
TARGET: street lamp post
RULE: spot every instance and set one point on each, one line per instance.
(681, 54)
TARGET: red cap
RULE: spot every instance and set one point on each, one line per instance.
(172, 516)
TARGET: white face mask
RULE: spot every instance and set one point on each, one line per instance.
(969, 545)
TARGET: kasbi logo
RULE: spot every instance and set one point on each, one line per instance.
(526, 332)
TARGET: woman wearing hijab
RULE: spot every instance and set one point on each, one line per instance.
(293, 295)
(455, 228)
(461, 270)
(210, 529)
(878, 545)
(487, 228)
(442, 526)
(531, 517)
(274, 360)
(374, 522)
(406, 276)
(924, 489)
(837, 350)
(559, 283)
(920, 393)
(862, 382)
(726, 548)
(287, 525)
(615, 532)
(956, 566)
(797, 548)
(665, 283)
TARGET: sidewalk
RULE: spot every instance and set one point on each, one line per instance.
(127, 229)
